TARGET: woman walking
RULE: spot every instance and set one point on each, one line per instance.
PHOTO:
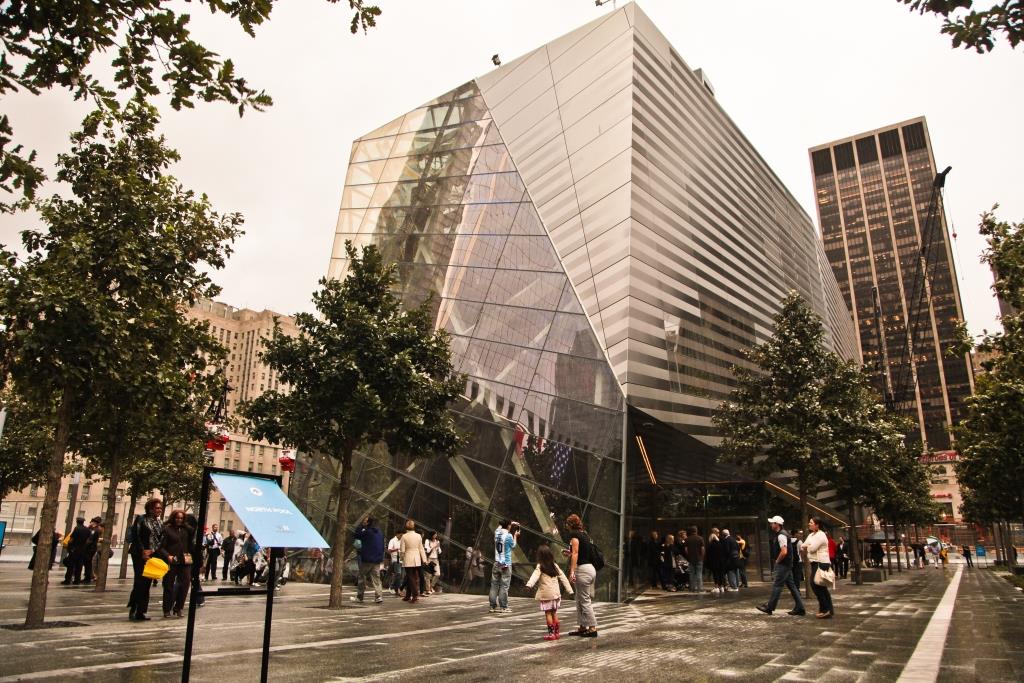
(147, 536)
(433, 550)
(176, 547)
(413, 559)
(582, 575)
(817, 552)
(549, 593)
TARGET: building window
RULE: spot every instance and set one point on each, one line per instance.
(261, 450)
(913, 136)
(237, 464)
(252, 449)
(844, 156)
(250, 465)
(259, 466)
(238, 446)
(866, 150)
(890, 143)
(822, 162)
(33, 490)
(273, 469)
(86, 490)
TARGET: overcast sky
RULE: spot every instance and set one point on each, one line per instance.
(792, 74)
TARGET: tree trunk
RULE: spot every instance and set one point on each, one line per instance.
(103, 564)
(132, 502)
(896, 542)
(341, 529)
(888, 553)
(48, 518)
(854, 547)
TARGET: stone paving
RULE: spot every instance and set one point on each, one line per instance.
(661, 636)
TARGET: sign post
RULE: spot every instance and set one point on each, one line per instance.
(275, 523)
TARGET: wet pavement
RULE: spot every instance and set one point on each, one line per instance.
(660, 636)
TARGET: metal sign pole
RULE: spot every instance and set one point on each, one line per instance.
(204, 495)
(271, 587)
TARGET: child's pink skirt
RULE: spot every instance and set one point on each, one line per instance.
(548, 605)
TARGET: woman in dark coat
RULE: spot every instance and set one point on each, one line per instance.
(147, 536)
(716, 559)
(177, 549)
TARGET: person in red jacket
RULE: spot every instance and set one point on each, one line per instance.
(832, 550)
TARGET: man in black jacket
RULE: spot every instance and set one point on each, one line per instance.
(228, 548)
(95, 530)
(75, 561)
(732, 560)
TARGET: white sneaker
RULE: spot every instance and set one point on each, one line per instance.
(506, 610)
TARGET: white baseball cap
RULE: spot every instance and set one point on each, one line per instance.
(776, 520)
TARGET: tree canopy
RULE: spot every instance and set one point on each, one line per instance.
(56, 44)
(991, 438)
(976, 29)
(363, 371)
(94, 315)
(774, 421)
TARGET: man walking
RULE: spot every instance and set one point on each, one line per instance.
(228, 549)
(75, 559)
(782, 571)
(732, 560)
(95, 530)
(965, 550)
(395, 570)
(212, 542)
(505, 538)
(695, 554)
(370, 555)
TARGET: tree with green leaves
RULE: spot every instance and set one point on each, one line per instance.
(364, 371)
(50, 45)
(865, 441)
(24, 443)
(991, 437)
(972, 28)
(97, 305)
(774, 420)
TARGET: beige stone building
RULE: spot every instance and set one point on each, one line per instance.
(242, 332)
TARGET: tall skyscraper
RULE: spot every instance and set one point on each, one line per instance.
(884, 231)
(603, 244)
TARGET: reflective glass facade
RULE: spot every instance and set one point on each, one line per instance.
(873, 194)
(603, 244)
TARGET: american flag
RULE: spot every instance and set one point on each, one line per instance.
(563, 454)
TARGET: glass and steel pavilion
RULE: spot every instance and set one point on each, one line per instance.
(601, 243)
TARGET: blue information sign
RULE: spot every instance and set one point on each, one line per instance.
(979, 550)
(267, 513)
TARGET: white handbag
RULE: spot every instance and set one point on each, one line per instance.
(825, 576)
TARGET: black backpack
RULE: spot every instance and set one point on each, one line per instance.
(596, 556)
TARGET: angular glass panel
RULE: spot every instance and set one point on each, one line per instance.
(416, 248)
(469, 284)
(484, 219)
(569, 302)
(581, 425)
(494, 187)
(477, 250)
(386, 130)
(357, 196)
(503, 363)
(522, 326)
(528, 221)
(464, 135)
(500, 403)
(364, 173)
(572, 334)
(524, 252)
(426, 118)
(415, 143)
(492, 159)
(468, 109)
(349, 220)
(578, 379)
(458, 317)
(526, 288)
(368, 150)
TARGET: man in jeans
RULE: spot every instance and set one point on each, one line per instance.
(212, 542)
(371, 554)
(782, 571)
(505, 537)
(695, 554)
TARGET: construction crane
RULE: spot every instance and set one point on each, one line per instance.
(900, 386)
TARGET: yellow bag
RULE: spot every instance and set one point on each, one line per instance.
(66, 540)
(155, 568)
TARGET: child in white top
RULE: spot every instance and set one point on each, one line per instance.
(546, 577)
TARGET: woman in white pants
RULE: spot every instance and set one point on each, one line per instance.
(583, 575)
